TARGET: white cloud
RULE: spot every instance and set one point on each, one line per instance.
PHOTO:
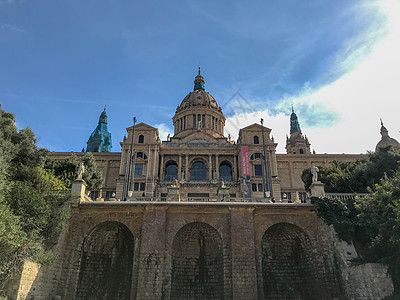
(370, 91)
(164, 130)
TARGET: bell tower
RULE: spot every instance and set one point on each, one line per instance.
(296, 143)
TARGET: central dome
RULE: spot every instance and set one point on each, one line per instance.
(199, 111)
(199, 97)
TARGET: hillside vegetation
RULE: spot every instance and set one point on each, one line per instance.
(33, 195)
(371, 223)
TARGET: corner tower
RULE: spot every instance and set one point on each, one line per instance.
(100, 139)
(199, 111)
(296, 143)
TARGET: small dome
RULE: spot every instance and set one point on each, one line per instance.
(386, 140)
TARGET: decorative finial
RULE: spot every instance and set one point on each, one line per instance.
(292, 109)
(105, 106)
(381, 122)
(199, 71)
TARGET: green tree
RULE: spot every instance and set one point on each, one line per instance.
(67, 169)
(358, 176)
(33, 196)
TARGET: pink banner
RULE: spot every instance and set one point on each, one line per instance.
(245, 161)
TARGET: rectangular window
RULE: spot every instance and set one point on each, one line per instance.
(194, 121)
(181, 125)
(203, 123)
(216, 124)
(136, 186)
(258, 170)
(254, 187)
(184, 122)
(212, 124)
(138, 169)
(286, 196)
(142, 186)
(260, 189)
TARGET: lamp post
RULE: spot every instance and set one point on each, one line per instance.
(264, 162)
(131, 157)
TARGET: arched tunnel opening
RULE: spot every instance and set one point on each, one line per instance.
(290, 267)
(106, 263)
(197, 263)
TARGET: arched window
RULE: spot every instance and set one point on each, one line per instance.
(301, 151)
(141, 139)
(141, 155)
(225, 172)
(198, 171)
(171, 171)
(255, 156)
(256, 140)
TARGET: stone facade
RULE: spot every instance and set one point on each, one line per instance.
(198, 223)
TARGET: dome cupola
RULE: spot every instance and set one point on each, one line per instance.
(199, 111)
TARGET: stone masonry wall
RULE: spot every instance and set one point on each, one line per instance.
(367, 281)
(230, 240)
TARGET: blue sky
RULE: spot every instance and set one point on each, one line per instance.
(62, 61)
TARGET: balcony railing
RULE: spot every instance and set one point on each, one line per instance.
(346, 196)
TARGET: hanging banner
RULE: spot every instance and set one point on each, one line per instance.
(246, 172)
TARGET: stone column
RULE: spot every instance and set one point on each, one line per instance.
(180, 167)
(209, 167)
(152, 253)
(187, 168)
(217, 166)
(162, 168)
(234, 168)
(291, 173)
(275, 162)
(244, 273)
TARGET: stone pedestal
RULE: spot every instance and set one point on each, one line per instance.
(173, 194)
(317, 189)
(78, 191)
(223, 194)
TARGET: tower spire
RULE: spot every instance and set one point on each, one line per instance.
(294, 122)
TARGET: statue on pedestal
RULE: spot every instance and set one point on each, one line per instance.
(81, 170)
(314, 172)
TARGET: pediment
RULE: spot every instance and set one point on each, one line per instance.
(255, 127)
(142, 126)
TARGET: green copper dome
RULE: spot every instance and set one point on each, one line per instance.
(100, 139)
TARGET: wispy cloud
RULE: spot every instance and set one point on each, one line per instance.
(9, 27)
(343, 116)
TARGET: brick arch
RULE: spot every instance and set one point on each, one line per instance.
(197, 263)
(287, 264)
(105, 270)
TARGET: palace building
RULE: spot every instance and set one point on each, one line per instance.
(198, 157)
